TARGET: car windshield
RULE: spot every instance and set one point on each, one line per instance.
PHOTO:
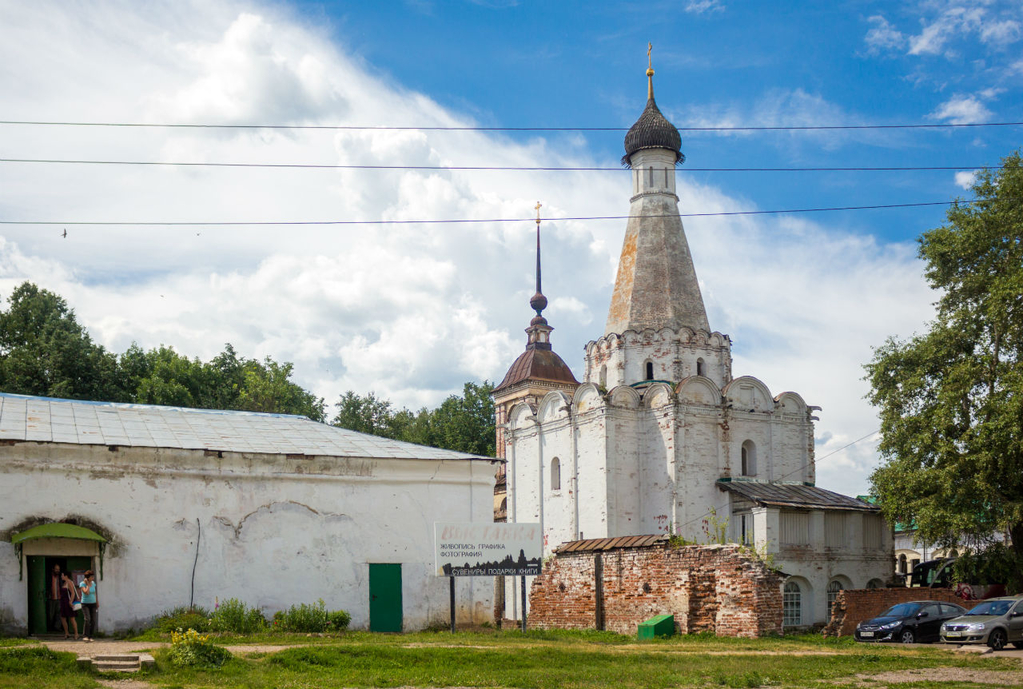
(901, 610)
(991, 607)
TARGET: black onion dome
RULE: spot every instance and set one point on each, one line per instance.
(652, 130)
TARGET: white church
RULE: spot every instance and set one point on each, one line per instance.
(660, 437)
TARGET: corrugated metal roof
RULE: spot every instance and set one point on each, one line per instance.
(795, 495)
(44, 419)
(593, 544)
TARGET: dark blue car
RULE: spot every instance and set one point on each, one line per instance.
(913, 622)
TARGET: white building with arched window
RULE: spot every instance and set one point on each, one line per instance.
(660, 437)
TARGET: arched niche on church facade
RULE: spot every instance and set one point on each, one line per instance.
(790, 403)
(748, 394)
(658, 396)
(625, 397)
(587, 398)
(521, 415)
(698, 390)
(553, 406)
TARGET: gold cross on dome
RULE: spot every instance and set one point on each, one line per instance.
(649, 60)
(538, 205)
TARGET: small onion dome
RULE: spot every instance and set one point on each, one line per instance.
(652, 130)
(538, 303)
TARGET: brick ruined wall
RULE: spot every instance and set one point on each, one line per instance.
(715, 589)
(855, 605)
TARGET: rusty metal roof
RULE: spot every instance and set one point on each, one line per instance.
(594, 544)
(794, 495)
(77, 422)
(538, 363)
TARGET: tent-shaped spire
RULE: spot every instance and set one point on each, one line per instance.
(656, 286)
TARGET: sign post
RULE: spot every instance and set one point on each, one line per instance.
(485, 549)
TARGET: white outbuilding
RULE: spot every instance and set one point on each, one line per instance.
(174, 506)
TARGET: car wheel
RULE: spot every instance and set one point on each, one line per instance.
(997, 640)
(907, 636)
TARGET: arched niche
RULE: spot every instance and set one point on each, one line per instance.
(552, 406)
(698, 390)
(522, 415)
(587, 398)
(657, 396)
(625, 396)
(790, 403)
(747, 393)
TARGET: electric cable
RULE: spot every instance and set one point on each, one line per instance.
(460, 221)
(454, 128)
(475, 168)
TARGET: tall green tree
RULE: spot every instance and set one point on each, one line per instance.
(45, 351)
(461, 423)
(951, 400)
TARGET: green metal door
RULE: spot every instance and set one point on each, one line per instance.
(36, 594)
(385, 598)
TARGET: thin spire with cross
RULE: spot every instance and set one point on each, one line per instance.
(539, 301)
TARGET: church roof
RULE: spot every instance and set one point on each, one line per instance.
(77, 422)
(652, 130)
(794, 495)
(538, 363)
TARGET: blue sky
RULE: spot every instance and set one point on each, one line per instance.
(413, 311)
(743, 64)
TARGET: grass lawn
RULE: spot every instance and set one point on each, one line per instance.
(512, 659)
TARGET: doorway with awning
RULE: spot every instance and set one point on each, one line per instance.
(73, 548)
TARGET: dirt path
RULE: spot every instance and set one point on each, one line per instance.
(107, 647)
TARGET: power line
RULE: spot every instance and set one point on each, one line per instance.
(516, 168)
(341, 127)
(458, 221)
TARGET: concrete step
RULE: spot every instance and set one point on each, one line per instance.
(112, 666)
(121, 662)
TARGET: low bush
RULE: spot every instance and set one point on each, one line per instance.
(192, 649)
(183, 618)
(311, 619)
(234, 616)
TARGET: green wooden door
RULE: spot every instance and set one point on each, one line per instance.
(36, 594)
(385, 598)
(76, 567)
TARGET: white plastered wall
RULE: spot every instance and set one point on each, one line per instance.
(275, 531)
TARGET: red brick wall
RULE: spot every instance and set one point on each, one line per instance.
(855, 605)
(716, 588)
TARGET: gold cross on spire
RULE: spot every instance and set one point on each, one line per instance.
(649, 72)
(538, 205)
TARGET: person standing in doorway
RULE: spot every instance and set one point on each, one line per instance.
(53, 595)
(68, 597)
(88, 589)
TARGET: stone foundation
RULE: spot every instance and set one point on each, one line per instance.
(717, 588)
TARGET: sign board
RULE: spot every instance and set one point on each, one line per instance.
(484, 549)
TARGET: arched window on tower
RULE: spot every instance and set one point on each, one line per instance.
(603, 376)
(701, 368)
(555, 474)
(749, 459)
(649, 370)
